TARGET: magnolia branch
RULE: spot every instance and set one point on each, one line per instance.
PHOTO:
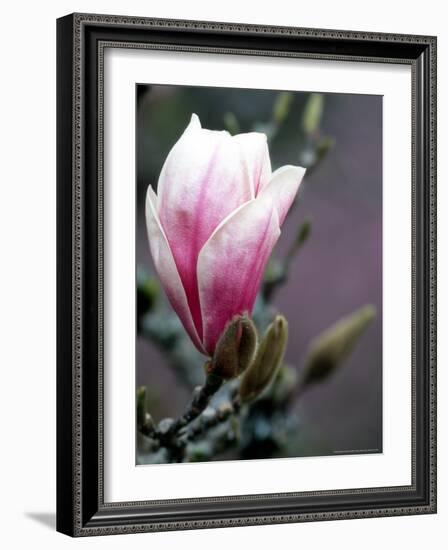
(213, 419)
(168, 429)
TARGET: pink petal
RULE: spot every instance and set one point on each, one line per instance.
(201, 183)
(283, 188)
(257, 163)
(231, 265)
(166, 268)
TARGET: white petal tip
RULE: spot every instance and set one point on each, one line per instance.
(299, 170)
(195, 123)
(151, 197)
(295, 173)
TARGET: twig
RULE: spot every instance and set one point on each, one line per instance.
(201, 398)
(168, 429)
(282, 270)
(216, 417)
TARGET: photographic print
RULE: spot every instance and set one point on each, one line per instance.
(258, 274)
(246, 274)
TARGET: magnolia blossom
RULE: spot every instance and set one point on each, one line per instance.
(213, 224)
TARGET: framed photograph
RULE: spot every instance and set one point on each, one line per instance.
(246, 274)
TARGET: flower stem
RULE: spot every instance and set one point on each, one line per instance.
(201, 398)
(219, 415)
(167, 431)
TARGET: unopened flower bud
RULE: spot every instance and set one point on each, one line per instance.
(332, 346)
(235, 348)
(267, 360)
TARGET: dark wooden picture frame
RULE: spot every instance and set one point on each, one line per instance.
(81, 510)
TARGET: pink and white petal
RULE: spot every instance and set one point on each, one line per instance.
(283, 187)
(203, 167)
(194, 126)
(231, 265)
(166, 268)
(201, 183)
(255, 151)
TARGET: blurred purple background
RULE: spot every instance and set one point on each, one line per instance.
(338, 270)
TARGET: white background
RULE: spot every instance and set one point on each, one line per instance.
(27, 229)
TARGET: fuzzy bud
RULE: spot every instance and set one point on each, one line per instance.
(332, 346)
(268, 359)
(235, 348)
